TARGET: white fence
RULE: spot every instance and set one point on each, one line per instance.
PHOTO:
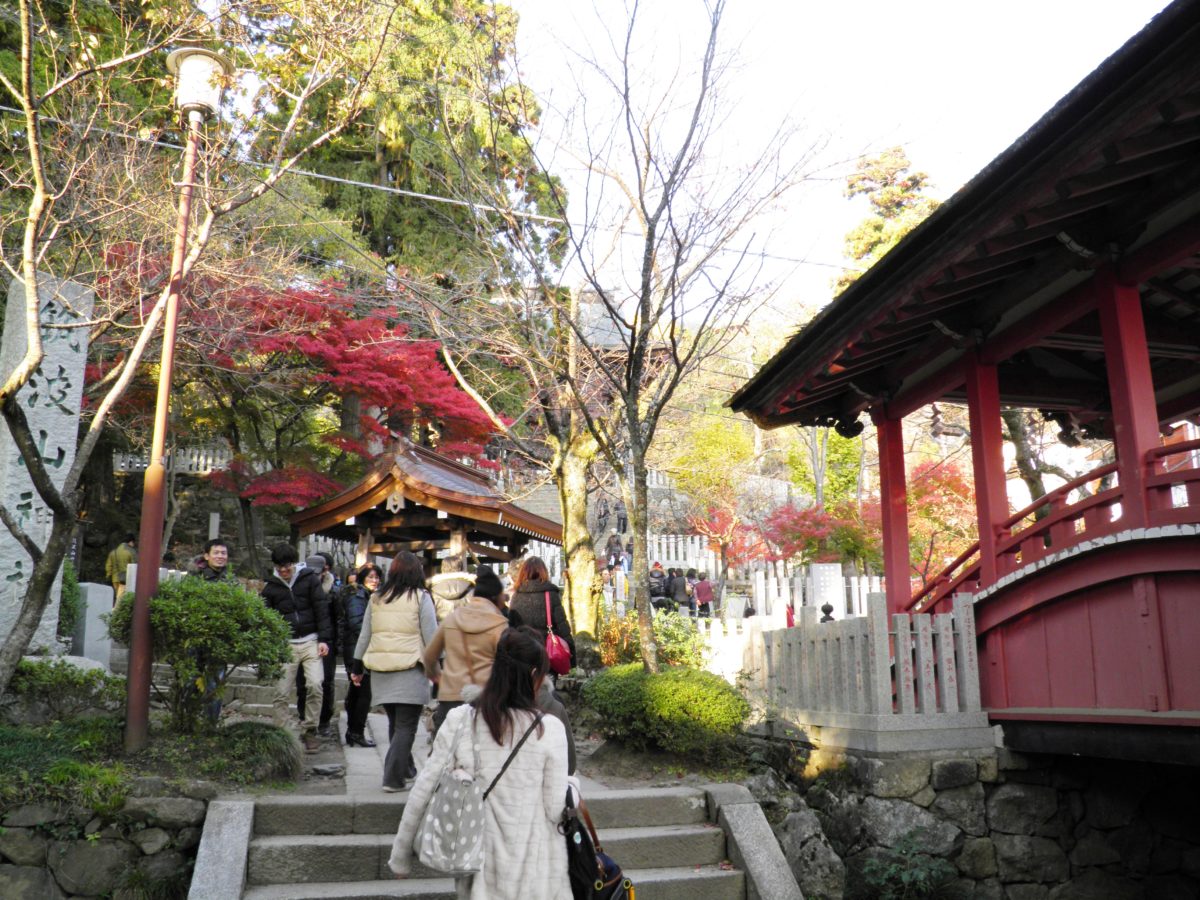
(911, 683)
(187, 460)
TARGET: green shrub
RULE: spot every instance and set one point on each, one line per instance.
(65, 689)
(70, 602)
(679, 643)
(691, 711)
(618, 697)
(906, 871)
(681, 710)
(203, 630)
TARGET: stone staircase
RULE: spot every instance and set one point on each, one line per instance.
(310, 847)
(245, 695)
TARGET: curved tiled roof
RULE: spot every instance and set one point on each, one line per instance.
(426, 479)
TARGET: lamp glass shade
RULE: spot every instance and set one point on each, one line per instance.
(198, 75)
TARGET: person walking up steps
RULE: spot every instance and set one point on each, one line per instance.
(358, 695)
(524, 856)
(399, 623)
(467, 641)
(295, 593)
(528, 603)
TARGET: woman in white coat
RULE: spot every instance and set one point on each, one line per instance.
(524, 855)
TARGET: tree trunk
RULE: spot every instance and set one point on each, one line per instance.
(246, 529)
(570, 468)
(1017, 432)
(37, 596)
(638, 509)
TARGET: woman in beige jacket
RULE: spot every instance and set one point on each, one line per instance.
(466, 641)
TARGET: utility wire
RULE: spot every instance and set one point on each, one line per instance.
(431, 198)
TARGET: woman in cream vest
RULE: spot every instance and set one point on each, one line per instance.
(399, 622)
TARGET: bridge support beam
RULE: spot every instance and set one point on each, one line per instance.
(1131, 389)
(987, 459)
(894, 506)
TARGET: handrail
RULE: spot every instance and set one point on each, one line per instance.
(1155, 453)
(1008, 540)
(943, 577)
(1104, 498)
(1059, 491)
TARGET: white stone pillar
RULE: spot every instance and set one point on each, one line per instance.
(51, 400)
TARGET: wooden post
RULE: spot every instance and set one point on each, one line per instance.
(893, 503)
(987, 459)
(1130, 389)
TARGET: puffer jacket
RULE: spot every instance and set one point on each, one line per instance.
(350, 619)
(303, 606)
(467, 641)
(528, 607)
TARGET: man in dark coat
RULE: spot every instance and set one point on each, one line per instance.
(322, 564)
(213, 563)
(295, 593)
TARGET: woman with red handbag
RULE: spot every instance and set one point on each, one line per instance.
(537, 602)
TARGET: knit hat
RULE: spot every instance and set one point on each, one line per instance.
(487, 584)
(316, 562)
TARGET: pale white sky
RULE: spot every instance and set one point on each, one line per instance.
(954, 81)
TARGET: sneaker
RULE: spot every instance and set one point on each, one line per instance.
(324, 730)
(388, 789)
(312, 743)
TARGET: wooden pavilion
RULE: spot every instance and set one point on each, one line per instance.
(1065, 277)
(415, 499)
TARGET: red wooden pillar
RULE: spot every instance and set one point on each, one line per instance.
(987, 459)
(894, 505)
(1130, 388)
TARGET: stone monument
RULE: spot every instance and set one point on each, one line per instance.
(51, 400)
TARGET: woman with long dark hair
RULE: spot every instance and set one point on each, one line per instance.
(353, 611)
(524, 856)
(398, 624)
(527, 606)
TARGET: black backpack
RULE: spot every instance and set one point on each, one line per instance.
(593, 873)
(658, 584)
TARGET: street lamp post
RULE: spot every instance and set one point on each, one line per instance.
(197, 95)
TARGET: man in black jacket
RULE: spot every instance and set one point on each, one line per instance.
(295, 593)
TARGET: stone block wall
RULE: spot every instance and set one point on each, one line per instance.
(54, 852)
(1014, 827)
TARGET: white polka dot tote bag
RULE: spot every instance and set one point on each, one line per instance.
(450, 836)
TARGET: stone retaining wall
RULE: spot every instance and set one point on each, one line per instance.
(52, 852)
(1015, 827)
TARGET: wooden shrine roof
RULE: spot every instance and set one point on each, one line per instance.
(1109, 176)
(412, 494)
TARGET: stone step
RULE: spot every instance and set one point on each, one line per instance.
(703, 883)
(345, 815)
(357, 857)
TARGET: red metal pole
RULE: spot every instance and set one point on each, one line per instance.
(894, 506)
(987, 459)
(137, 687)
(1130, 388)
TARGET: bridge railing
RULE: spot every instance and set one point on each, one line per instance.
(1173, 483)
(1172, 486)
(1068, 517)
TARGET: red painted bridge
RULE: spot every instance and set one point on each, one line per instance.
(1064, 278)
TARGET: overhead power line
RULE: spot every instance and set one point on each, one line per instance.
(419, 195)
